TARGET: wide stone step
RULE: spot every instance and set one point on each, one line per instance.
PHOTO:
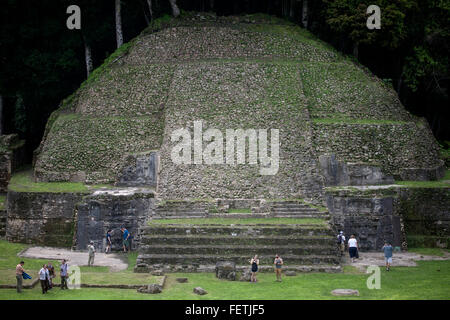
(178, 217)
(240, 249)
(300, 216)
(236, 230)
(328, 268)
(181, 209)
(305, 209)
(183, 259)
(227, 240)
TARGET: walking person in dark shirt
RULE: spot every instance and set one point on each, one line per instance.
(254, 262)
(108, 241)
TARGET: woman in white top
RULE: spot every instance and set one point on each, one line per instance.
(353, 248)
(43, 278)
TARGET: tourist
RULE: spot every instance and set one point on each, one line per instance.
(19, 274)
(108, 241)
(341, 242)
(353, 248)
(63, 274)
(278, 262)
(91, 250)
(254, 263)
(126, 237)
(387, 248)
(43, 278)
(51, 271)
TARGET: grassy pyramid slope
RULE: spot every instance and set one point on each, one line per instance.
(231, 72)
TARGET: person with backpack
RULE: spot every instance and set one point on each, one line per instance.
(341, 242)
(51, 274)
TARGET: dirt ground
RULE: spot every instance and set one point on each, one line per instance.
(112, 260)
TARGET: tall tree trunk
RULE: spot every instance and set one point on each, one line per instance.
(150, 9)
(88, 58)
(356, 50)
(1, 114)
(175, 10)
(292, 9)
(119, 34)
(305, 14)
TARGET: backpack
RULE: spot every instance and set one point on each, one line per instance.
(339, 241)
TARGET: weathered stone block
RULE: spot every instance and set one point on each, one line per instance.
(226, 270)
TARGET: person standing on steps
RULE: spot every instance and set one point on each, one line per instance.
(353, 248)
(108, 241)
(341, 242)
(387, 248)
(126, 237)
(19, 274)
(254, 262)
(278, 262)
(91, 250)
(63, 275)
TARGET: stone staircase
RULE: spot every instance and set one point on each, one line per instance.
(187, 247)
(296, 209)
(181, 209)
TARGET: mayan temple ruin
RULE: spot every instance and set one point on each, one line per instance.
(345, 143)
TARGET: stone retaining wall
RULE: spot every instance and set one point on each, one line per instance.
(426, 213)
(105, 210)
(41, 218)
(407, 217)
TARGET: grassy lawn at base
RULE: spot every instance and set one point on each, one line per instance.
(228, 221)
(429, 251)
(90, 275)
(429, 280)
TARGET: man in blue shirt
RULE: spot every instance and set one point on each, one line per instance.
(126, 236)
(64, 274)
(387, 248)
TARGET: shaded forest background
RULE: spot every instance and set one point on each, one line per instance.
(42, 62)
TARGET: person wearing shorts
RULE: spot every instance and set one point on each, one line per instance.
(125, 236)
(278, 262)
(387, 248)
(254, 262)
